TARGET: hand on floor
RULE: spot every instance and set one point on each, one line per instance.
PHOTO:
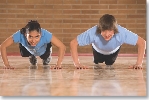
(80, 66)
(55, 67)
(135, 67)
(8, 67)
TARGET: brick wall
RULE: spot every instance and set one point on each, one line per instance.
(68, 18)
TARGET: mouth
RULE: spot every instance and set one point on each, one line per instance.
(32, 44)
(107, 38)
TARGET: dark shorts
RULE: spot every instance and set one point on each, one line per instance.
(108, 59)
(25, 53)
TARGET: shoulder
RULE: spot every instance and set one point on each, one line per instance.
(45, 32)
(91, 30)
(94, 28)
(122, 29)
(18, 37)
(18, 34)
(46, 35)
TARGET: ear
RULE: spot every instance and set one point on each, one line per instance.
(25, 35)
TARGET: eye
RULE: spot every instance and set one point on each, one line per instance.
(37, 36)
(30, 36)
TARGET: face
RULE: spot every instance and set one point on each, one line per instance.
(107, 34)
(33, 37)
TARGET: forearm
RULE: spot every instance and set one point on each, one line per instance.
(4, 56)
(74, 53)
(61, 54)
(141, 52)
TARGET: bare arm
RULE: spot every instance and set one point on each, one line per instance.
(141, 50)
(61, 51)
(74, 51)
(74, 54)
(3, 47)
(141, 43)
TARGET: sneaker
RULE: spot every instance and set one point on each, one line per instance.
(46, 61)
(33, 67)
(97, 66)
(33, 60)
(109, 67)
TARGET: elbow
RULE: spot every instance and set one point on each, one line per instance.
(144, 43)
(64, 47)
(141, 43)
(0, 49)
(73, 43)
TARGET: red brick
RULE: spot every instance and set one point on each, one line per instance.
(113, 12)
(51, 12)
(89, 21)
(8, 16)
(34, 11)
(101, 6)
(16, 1)
(62, 17)
(80, 26)
(62, 26)
(62, 6)
(25, 6)
(126, 1)
(90, 11)
(25, 16)
(71, 11)
(72, 2)
(141, 1)
(43, 7)
(34, 1)
(117, 7)
(80, 16)
(108, 2)
(71, 31)
(136, 6)
(141, 12)
(90, 2)
(38, 16)
(127, 12)
(80, 7)
(16, 11)
(71, 21)
(3, 11)
(56, 2)
(7, 6)
(3, 1)
(136, 16)
(128, 21)
(53, 21)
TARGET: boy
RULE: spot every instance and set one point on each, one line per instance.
(106, 39)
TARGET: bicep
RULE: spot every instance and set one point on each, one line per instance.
(140, 41)
(7, 42)
(56, 41)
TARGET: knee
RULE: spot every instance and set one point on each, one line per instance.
(0, 49)
(109, 63)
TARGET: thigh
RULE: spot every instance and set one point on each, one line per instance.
(110, 59)
(98, 57)
(47, 52)
(23, 51)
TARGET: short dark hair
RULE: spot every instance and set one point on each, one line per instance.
(31, 26)
(107, 22)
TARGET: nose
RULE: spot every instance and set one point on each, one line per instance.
(108, 35)
(33, 40)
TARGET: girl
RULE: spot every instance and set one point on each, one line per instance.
(33, 41)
